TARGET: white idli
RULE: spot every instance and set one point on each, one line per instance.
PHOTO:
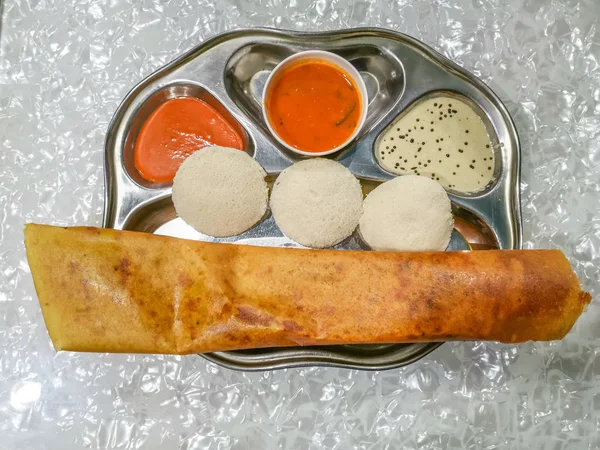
(317, 202)
(408, 213)
(220, 191)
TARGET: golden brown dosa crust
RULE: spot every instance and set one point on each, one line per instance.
(104, 290)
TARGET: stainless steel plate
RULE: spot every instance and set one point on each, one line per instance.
(229, 71)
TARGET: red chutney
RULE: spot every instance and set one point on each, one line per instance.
(174, 131)
(314, 106)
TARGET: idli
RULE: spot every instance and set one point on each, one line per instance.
(220, 191)
(408, 213)
(317, 202)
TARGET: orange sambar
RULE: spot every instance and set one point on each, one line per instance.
(174, 131)
(314, 106)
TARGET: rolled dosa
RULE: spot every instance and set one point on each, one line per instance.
(104, 290)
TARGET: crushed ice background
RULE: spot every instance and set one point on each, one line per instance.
(64, 67)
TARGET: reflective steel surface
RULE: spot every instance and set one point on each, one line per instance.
(229, 72)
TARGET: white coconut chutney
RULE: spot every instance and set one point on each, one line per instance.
(442, 138)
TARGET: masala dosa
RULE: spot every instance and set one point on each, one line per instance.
(103, 290)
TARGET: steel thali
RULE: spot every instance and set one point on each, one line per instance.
(229, 72)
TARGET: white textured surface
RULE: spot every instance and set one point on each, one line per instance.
(64, 66)
(220, 191)
(317, 202)
(411, 213)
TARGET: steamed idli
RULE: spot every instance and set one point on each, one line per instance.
(317, 202)
(220, 191)
(407, 213)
